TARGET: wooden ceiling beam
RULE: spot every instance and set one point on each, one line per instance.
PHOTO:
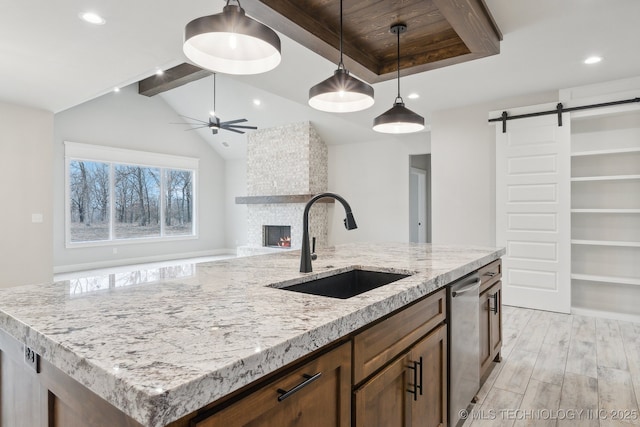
(171, 79)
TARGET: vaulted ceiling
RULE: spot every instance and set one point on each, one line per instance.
(52, 60)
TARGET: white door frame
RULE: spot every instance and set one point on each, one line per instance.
(418, 205)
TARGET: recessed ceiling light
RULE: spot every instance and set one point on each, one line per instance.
(116, 89)
(413, 96)
(92, 18)
(257, 102)
(592, 60)
(159, 72)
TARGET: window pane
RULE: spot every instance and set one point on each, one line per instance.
(137, 202)
(178, 202)
(89, 201)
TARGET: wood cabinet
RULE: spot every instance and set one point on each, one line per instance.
(316, 394)
(407, 354)
(490, 315)
(48, 398)
(490, 326)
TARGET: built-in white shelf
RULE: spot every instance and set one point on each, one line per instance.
(606, 279)
(605, 178)
(603, 211)
(606, 243)
(601, 152)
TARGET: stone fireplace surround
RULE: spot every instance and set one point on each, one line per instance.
(286, 166)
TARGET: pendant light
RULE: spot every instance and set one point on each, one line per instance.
(398, 119)
(231, 42)
(341, 93)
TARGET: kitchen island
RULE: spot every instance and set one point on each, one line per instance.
(161, 350)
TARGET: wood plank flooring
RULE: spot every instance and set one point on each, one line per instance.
(562, 370)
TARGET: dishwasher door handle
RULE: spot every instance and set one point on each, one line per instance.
(468, 288)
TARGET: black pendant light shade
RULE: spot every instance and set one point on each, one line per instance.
(232, 43)
(398, 119)
(341, 93)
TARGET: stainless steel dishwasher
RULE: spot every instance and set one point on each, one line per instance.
(464, 344)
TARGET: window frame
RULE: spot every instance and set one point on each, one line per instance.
(75, 151)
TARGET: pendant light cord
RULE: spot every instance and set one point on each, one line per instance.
(398, 97)
(341, 64)
(214, 95)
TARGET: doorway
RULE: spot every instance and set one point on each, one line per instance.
(420, 198)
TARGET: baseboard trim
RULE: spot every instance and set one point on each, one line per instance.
(71, 268)
(627, 317)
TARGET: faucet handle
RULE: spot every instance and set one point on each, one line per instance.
(313, 249)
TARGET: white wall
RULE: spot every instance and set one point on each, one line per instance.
(374, 178)
(463, 171)
(235, 215)
(128, 120)
(26, 152)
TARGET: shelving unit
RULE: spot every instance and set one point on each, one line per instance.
(605, 213)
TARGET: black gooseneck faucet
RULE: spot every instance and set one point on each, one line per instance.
(349, 223)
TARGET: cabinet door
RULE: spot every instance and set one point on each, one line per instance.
(412, 391)
(430, 407)
(320, 396)
(490, 325)
(495, 298)
(385, 399)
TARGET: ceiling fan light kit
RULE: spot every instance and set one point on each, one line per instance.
(398, 119)
(341, 93)
(230, 42)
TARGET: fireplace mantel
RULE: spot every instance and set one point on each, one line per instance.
(291, 198)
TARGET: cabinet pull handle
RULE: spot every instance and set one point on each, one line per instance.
(495, 303)
(490, 273)
(416, 386)
(308, 379)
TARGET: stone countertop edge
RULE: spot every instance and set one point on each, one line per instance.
(154, 407)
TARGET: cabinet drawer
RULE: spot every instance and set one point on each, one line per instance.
(379, 344)
(490, 274)
(316, 394)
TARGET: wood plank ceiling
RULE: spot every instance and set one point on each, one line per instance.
(440, 33)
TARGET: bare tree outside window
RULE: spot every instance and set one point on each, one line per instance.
(137, 202)
(89, 201)
(178, 202)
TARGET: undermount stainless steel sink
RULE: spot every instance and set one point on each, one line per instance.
(346, 285)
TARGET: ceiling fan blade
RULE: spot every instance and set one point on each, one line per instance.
(242, 127)
(198, 127)
(233, 121)
(197, 120)
(230, 129)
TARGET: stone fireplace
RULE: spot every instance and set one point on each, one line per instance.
(286, 166)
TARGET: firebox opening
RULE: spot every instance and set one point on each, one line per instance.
(276, 236)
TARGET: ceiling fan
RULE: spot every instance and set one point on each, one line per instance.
(214, 122)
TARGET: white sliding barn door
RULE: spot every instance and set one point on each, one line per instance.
(533, 217)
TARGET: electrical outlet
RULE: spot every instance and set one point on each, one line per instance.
(32, 358)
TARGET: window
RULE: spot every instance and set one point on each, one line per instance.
(122, 195)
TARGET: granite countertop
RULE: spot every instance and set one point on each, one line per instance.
(161, 343)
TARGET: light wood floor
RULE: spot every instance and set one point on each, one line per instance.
(562, 370)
